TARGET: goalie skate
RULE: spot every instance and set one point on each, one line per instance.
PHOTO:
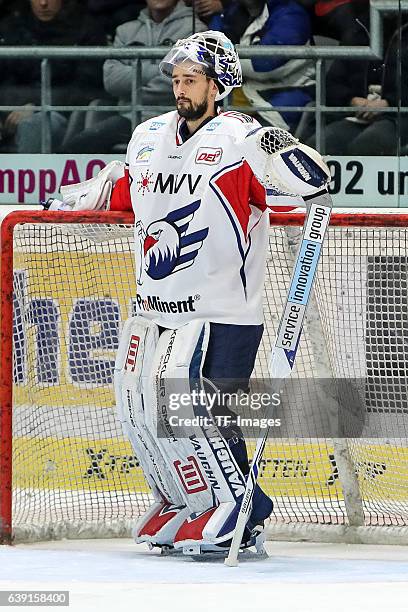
(159, 525)
(252, 547)
(213, 529)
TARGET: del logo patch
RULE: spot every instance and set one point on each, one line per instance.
(208, 155)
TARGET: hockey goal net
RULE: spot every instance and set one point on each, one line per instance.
(68, 283)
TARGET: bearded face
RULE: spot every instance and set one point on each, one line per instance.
(190, 110)
(196, 106)
(194, 91)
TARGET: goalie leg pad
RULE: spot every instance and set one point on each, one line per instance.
(217, 525)
(229, 372)
(214, 526)
(199, 458)
(133, 364)
(159, 524)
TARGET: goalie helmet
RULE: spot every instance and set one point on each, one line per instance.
(214, 52)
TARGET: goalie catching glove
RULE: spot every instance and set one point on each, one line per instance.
(283, 165)
(93, 194)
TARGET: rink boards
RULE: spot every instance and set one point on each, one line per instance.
(62, 293)
(307, 470)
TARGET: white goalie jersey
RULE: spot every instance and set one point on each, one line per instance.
(201, 235)
(201, 221)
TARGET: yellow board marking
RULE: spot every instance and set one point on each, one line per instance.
(66, 278)
(292, 470)
(77, 464)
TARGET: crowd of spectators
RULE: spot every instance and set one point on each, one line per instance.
(73, 82)
(269, 81)
(161, 23)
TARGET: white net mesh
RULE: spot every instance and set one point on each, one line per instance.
(73, 473)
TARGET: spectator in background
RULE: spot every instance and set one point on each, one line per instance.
(345, 78)
(348, 83)
(273, 81)
(227, 16)
(73, 82)
(162, 23)
(338, 19)
(369, 132)
(207, 9)
(112, 13)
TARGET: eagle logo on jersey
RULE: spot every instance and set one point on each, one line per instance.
(165, 246)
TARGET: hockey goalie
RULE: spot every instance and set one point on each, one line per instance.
(200, 182)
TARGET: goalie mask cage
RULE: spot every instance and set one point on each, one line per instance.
(67, 285)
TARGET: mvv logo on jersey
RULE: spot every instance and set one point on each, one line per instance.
(167, 183)
(130, 364)
(208, 155)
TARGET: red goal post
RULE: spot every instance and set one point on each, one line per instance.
(6, 350)
(70, 474)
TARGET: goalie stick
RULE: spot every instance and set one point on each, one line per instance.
(286, 344)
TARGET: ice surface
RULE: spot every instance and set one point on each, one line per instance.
(116, 575)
